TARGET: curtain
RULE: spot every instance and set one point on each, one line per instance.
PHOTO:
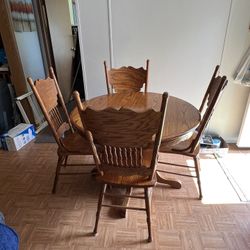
(242, 75)
(22, 15)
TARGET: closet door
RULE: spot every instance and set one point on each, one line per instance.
(62, 42)
(183, 39)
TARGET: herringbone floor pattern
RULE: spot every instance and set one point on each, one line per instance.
(65, 220)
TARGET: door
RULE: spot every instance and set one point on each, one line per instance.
(183, 39)
(58, 15)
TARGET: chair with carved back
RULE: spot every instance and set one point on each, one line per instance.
(125, 146)
(69, 141)
(126, 79)
(191, 147)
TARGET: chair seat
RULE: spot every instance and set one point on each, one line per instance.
(132, 180)
(74, 143)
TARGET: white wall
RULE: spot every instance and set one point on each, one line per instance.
(184, 41)
(30, 53)
(71, 12)
(227, 118)
(244, 135)
(32, 61)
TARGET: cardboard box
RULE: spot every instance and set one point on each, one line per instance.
(221, 151)
(19, 136)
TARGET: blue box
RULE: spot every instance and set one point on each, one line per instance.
(19, 136)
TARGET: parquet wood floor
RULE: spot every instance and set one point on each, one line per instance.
(65, 220)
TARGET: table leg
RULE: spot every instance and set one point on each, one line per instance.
(169, 181)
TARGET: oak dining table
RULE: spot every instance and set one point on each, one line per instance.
(181, 120)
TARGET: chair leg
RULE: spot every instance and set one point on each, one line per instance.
(101, 195)
(147, 205)
(65, 161)
(197, 170)
(58, 167)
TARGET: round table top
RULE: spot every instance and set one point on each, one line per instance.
(181, 118)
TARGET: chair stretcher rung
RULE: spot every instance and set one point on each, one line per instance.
(177, 165)
(123, 207)
(124, 195)
(168, 172)
(79, 165)
(75, 173)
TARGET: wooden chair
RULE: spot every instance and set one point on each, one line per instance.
(126, 79)
(191, 147)
(69, 142)
(125, 146)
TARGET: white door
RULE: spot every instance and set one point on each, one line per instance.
(62, 42)
(183, 40)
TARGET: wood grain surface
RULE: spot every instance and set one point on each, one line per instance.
(51, 102)
(182, 117)
(126, 79)
(65, 220)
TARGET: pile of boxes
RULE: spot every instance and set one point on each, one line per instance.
(213, 145)
(17, 137)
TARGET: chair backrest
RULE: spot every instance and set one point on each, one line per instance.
(211, 98)
(119, 137)
(210, 88)
(126, 79)
(52, 104)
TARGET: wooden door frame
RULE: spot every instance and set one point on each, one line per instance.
(44, 34)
